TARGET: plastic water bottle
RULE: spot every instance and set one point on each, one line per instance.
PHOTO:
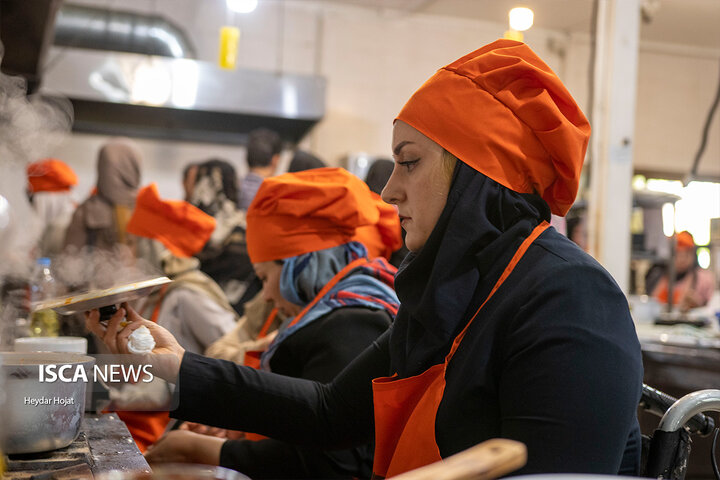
(44, 323)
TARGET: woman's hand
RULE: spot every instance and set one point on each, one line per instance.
(167, 354)
(691, 300)
(182, 446)
(212, 431)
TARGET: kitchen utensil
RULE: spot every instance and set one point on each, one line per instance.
(51, 344)
(108, 297)
(176, 471)
(39, 416)
(490, 459)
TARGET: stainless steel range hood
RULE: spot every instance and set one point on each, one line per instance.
(160, 97)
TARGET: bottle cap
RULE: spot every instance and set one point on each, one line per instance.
(43, 261)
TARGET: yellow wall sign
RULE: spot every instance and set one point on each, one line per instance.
(229, 40)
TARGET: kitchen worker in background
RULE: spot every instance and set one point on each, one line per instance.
(224, 257)
(303, 160)
(506, 328)
(694, 286)
(193, 307)
(577, 231)
(263, 155)
(49, 189)
(188, 179)
(100, 221)
(380, 239)
(378, 174)
(337, 302)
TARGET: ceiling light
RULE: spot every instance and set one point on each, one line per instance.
(242, 6)
(521, 19)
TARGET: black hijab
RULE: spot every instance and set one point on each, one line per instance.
(441, 286)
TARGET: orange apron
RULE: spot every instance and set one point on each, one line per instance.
(405, 409)
(252, 358)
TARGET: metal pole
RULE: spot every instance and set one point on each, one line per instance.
(671, 272)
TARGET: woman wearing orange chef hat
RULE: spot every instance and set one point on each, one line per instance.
(506, 328)
(193, 307)
(49, 187)
(337, 301)
(694, 286)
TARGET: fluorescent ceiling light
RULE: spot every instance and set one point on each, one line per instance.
(521, 19)
(242, 6)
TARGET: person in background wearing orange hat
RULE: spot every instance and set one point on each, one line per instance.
(381, 240)
(506, 328)
(193, 308)
(49, 188)
(337, 301)
(694, 286)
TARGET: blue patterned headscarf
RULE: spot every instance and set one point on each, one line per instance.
(369, 285)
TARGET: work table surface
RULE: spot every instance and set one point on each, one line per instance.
(104, 444)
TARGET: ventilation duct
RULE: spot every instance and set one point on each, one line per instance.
(121, 31)
(145, 93)
(183, 99)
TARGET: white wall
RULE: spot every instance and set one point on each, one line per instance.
(677, 87)
(373, 60)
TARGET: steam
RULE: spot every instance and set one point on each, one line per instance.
(30, 128)
(91, 268)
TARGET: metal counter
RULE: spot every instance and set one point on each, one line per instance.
(678, 371)
(104, 444)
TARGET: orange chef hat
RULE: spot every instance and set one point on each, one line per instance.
(503, 112)
(385, 237)
(50, 175)
(306, 211)
(685, 241)
(180, 226)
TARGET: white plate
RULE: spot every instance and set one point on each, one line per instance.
(51, 344)
(101, 298)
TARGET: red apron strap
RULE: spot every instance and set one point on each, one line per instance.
(158, 304)
(328, 286)
(268, 323)
(506, 273)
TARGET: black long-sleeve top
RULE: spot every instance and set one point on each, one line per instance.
(553, 362)
(317, 352)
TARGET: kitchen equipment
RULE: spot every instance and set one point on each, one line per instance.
(490, 459)
(56, 344)
(51, 344)
(173, 471)
(570, 476)
(40, 416)
(104, 299)
(104, 444)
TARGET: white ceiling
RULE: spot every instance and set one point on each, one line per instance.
(689, 22)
